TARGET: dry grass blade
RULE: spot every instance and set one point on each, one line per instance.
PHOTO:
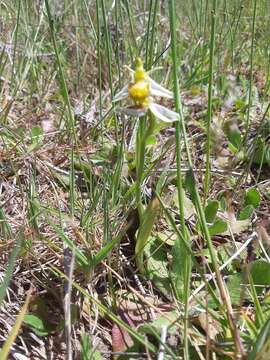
(16, 328)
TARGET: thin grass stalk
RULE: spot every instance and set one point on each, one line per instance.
(99, 61)
(120, 149)
(78, 66)
(148, 34)
(235, 32)
(210, 99)
(108, 45)
(109, 59)
(197, 201)
(15, 41)
(247, 125)
(117, 50)
(151, 49)
(70, 117)
(131, 26)
(61, 74)
(90, 20)
(180, 190)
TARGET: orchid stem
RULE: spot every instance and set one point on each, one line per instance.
(140, 155)
(145, 129)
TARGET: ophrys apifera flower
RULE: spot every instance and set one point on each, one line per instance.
(140, 91)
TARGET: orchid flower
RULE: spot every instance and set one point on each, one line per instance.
(141, 91)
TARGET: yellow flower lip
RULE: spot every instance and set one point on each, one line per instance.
(139, 91)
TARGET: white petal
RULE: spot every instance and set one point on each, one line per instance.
(133, 111)
(122, 94)
(164, 114)
(158, 90)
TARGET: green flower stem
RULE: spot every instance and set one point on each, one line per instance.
(140, 155)
(145, 129)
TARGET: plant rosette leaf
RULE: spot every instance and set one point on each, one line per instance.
(189, 208)
(38, 325)
(156, 266)
(211, 210)
(253, 198)
(168, 319)
(246, 212)
(234, 226)
(219, 227)
(260, 272)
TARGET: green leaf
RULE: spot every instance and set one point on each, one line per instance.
(10, 266)
(261, 347)
(246, 212)
(211, 210)
(37, 324)
(234, 136)
(149, 218)
(108, 247)
(151, 140)
(234, 287)
(191, 184)
(87, 352)
(155, 326)
(218, 227)
(156, 266)
(260, 272)
(189, 208)
(180, 263)
(80, 257)
(36, 136)
(253, 198)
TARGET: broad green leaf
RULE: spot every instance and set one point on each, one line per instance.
(151, 140)
(218, 227)
(260, 272)
(36, 134)
(234, 287)
(189, 208)
(179, 257)
(234, 136)
(37, 324)
(168, 319)
(156, 265)
(246, 212)
(211, 210)
(149, 218)
(167, 237)
(253, 198)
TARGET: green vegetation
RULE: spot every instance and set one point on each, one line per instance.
(134, 188)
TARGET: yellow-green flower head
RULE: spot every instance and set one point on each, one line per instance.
(141, 91)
